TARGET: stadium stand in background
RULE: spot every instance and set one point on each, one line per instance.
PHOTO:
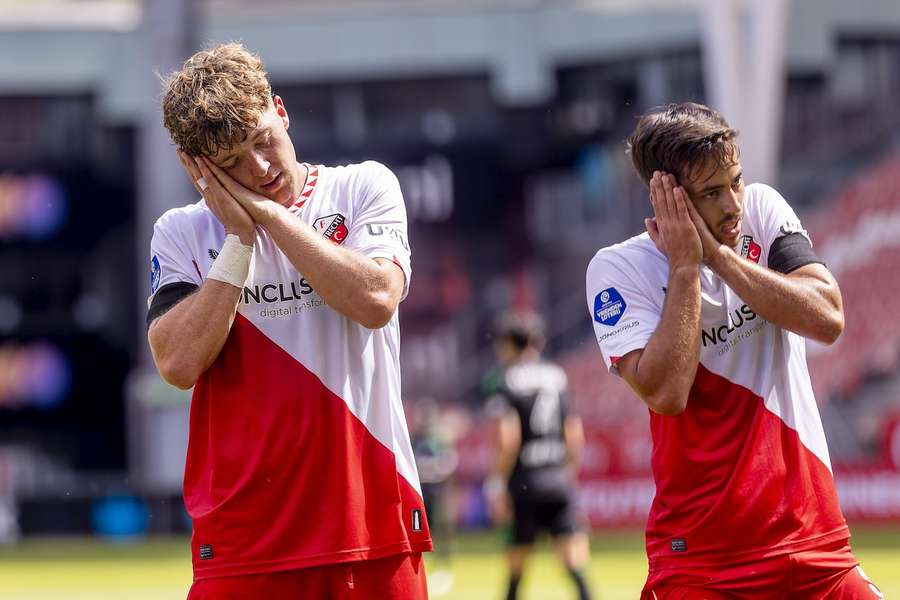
(858, 236)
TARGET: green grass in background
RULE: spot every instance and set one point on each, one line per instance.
(159, 569)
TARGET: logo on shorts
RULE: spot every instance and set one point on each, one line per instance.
(213, 254)
(206, 552)
(416, 520)
(750, 249)
(679, 545)
(332, 227)
(155, 273)
(609, 307)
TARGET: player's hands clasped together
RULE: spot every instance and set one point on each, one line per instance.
(233, 216)
(672, 229)
(256, 205)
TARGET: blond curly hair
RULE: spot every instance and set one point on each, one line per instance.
(216, 98)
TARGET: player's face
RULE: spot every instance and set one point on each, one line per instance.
(718, 195)
(505, 351)
(265, 161)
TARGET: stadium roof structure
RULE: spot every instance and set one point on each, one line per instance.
(125, 15)
(70, 15)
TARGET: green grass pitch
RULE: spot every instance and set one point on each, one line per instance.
(159, 569)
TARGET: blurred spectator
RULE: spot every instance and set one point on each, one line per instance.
(434, 446)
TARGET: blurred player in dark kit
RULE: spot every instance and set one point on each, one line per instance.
(538, 446)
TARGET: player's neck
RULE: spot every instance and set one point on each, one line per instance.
(301, 176)
(528, 356)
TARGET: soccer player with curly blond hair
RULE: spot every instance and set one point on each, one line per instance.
(275, 297)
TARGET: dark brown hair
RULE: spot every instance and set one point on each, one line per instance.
(215, 99)
(521, 328)
(681, 139)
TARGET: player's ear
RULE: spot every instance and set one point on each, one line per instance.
(281, 110)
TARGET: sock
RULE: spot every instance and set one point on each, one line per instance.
(513, 591)
(580, 583)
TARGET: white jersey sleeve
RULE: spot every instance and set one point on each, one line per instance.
(623, 313)
(773, 215)
(170, 259)
(379, 229)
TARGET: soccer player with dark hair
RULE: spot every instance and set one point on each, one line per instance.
(275, 297)
(706, 316)
(538, 446)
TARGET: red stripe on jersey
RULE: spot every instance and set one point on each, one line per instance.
(734, 482)
(281, 475)
(312, 178)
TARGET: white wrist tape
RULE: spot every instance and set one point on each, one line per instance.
(233, 263)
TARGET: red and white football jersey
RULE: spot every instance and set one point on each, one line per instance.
(298, 452)
(743, 473)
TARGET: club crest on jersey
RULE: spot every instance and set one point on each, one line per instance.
(332, 227)
(609, 306)
(155, 273)
(750, 249)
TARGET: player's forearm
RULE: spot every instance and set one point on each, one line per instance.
(668, 364)
(497, 480)
(806, 304)
(505, 462)
(350, 283)
(507, 441)
(574, 438)
(187, 339)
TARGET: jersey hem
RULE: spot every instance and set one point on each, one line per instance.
(318, 560)
(669, 563)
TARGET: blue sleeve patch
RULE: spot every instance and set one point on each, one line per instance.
(155, 273)
(609, 307)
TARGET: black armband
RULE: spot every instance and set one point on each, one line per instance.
(168, 296)
(790, 252)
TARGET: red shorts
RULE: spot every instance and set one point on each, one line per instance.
(831, 572)
(398, 577)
